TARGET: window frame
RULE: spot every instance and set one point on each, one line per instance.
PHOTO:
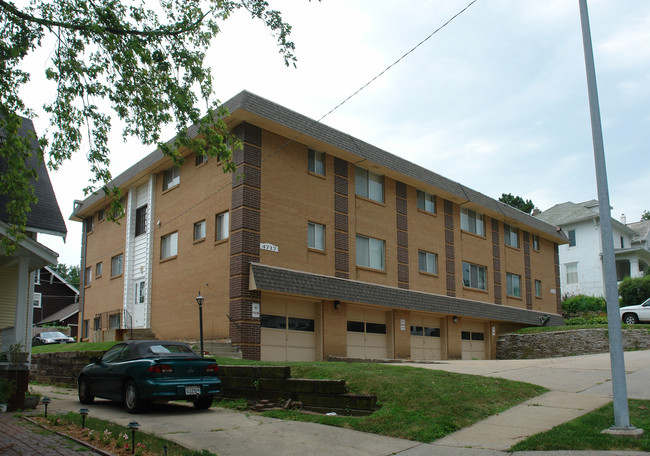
(571, 234)
(203, 224)
(369, 250)
(88, 276)
(173, 246)
(38, 298)
(427, 255)
(101, 215)
(200, 159)
(509, 233)
(469, 219)
(219, 234)
(423, 198)
(141, 220)
(313, 239)
(89, 224)
(510, 285)
(573, 273)
(171, 178)
(363, 184)
(477, 268)
(538, 288)
(536, 242)
(314, 159)
(119, 256)
(99, 269)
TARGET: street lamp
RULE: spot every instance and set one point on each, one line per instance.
(133, 425)
(199, 301)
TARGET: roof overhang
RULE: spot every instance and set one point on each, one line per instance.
(37, 254)
(299, 283)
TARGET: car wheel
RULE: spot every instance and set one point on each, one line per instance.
(203, 402)
(630, 319)
(132, 401)
(84, 392)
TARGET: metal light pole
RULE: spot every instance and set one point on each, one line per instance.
(199, 301)
(619, 386)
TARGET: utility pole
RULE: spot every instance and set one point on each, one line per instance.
(619, 383)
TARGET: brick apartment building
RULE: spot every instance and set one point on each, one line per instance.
(318, 246)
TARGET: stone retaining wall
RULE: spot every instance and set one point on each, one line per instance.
(566, 343)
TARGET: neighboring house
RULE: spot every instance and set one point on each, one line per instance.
(581, 263)
(318, 246)
(17, 269)
(56, 302)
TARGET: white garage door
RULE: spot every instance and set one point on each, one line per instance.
(473, 340)
(367, 333)
(426, 342)
(288, 331)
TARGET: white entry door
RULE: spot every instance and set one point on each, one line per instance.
(139, 304)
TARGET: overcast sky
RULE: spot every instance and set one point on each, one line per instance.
(497, 100)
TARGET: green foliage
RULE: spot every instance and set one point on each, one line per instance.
(69, 273)
(145, 66)
(587, 320)
(634, 291)
(645, 215)
(579, 304)
(517, 202)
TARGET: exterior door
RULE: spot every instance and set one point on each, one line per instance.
(426, 340)
(139, 304)
(473, 340)
(367, 333)
(288, 331)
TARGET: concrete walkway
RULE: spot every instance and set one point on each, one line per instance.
(578, 385)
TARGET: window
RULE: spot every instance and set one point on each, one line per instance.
(99, 269)
(538, 288)
(316, 161)
(139, 292)
(222, 226)
(116, 265)
(169, 245)
(511, 235)
(513, 285)
(367, 327)
(290, 323)
(466, 335)
(88, 275)
(472, 221)
(370, 252)
(37, 300)
(369, 185)
(100, 215)
(622, 242)
(89, 225)
(97, 323)
(535, 242)
(84, 329)
(200, 159)
(424, 331)
(113, 323)
(171, 178)
(572, 238)
(141, 220)
(37, 277)
(199, 230)
(474, 276)
(315, 236)
(427, 262)
(572, 273)
(426, 202)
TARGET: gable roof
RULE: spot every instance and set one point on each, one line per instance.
(45, 216)
(61, 279)
(642, 229)
(61, 315)
(569, 213)
(248, 107)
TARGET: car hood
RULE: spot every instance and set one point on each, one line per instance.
(637, 307)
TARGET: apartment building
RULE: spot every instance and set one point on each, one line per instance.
(318, 246)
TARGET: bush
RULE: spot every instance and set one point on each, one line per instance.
(587, 320)
(580, 304)
(634, 291)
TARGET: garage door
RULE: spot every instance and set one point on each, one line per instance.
(473, 340)
(426, 342)
(288, 331)
(367, 333)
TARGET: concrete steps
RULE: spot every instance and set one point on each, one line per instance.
(222, 350)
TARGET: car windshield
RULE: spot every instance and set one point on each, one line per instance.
(52, 335)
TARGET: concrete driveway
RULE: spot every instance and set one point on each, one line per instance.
(578, 385)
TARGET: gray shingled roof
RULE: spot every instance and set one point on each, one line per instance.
(281, 280)
(259, 106)
(568, 213)
(45, 215)
(642, 228)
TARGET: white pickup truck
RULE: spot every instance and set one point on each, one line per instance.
(635, 314)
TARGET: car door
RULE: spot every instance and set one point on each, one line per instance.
(644, 312)
(103, 377)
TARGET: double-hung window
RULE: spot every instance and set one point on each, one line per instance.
(572, 238)
(200, 159)
(538, 288)
(513, 285)
(99, 269)
(474, 276)
(370, 252)
(315, 236)
(199, 230)
(116, 265)
(472, 221)
(426, 202)
(37, 303)
(427, 262)
(572, 273)
(88, 276)
(141, 220)
(511, 235)
(369, 185)
(316, 162)
(171, 178)
(169, 245)
(222, 226)
(535, 242)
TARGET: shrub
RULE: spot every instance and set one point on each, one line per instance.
(587, 320)
(634, 291)
(580, 304)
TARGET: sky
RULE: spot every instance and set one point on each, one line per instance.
(496, 100)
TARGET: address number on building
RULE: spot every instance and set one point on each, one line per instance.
(269, 247)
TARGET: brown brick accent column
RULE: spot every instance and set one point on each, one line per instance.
(341, 221)
(527, 273)
(558, 291)
(496, 261)
(402, 236)
(245, 239)
(450, 257)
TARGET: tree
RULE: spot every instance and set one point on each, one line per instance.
(69, 273)
(645, 215)
(146, 65)
(517, 202)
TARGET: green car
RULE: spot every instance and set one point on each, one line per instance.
(138, 371)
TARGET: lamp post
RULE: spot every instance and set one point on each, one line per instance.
(84, 413)
(45, 401)
(199, 301)
(133, 425)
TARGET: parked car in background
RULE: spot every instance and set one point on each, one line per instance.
(137, 371)
(635, 314)
(51, 337)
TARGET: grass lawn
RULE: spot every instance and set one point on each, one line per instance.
(584, 433)
(81, 346)
(415, 403)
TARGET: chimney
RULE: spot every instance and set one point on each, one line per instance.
(536, 211)
(623, 219)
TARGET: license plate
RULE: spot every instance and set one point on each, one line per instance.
(194, 390)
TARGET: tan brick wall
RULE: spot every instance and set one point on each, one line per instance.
(402, 338)
(334, 330)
